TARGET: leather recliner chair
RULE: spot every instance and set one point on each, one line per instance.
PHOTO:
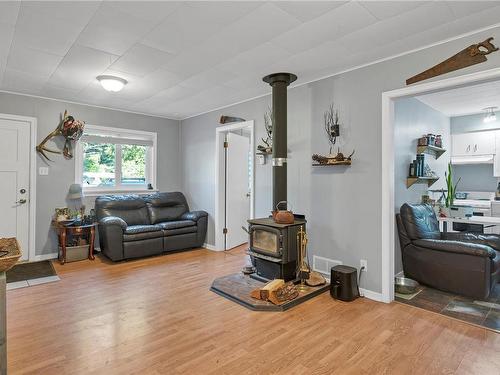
(462, 263)
(132, 226)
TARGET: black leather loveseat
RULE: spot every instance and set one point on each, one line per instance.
(132, 226)
(462, 263)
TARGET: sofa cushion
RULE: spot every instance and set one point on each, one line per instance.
(142, 232)
(175, 232)
(131, 208)
(166, 206)
(177, 224)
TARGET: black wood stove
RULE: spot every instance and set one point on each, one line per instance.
(273, 247)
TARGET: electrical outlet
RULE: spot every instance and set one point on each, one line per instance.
(363, 263)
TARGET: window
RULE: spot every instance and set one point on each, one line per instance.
(113, 160)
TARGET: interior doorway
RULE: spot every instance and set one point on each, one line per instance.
(234, 193)
(388, 162)
(17, 173)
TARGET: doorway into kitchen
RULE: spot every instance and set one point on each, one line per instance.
(447, 156)
(234, 197)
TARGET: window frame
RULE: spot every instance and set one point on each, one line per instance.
(124, 134)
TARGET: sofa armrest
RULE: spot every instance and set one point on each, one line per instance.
(490, 240)
(113, 220)
(467, 248)
(194, 215)
(111, 230)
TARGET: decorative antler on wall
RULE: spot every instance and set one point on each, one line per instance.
(267, 148)
(70, 129)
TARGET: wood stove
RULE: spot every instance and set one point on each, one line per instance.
(273, 248)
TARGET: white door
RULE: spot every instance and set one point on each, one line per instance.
(237, 189)
(14, 181)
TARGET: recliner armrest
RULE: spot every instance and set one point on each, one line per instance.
(194, 215)
(113, 220)
(467, 248)
(490, 240)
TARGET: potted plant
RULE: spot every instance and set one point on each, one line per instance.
(450, 191)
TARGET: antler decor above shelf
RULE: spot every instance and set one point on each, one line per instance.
(70, 129)
(332, 131)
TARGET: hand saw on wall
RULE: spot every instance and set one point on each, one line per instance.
(472, 55)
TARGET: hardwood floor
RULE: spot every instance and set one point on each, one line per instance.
(157, 316)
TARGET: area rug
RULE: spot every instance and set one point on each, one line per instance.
(481, 313)
(29, 274)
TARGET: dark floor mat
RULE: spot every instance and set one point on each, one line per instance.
(29, 271)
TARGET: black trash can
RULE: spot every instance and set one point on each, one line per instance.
(344, 283)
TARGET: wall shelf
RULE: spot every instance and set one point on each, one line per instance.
(431, 150)
(421, 180)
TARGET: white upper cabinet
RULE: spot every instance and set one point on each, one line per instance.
(473, 144)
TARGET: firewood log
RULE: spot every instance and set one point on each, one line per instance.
(264, 292)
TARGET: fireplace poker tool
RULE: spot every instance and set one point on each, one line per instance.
(303, 267)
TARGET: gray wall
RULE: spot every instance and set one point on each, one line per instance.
(342, 204)
(52, 189)
(412, 119)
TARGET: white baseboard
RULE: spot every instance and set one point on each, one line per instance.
(209, 247)
(41, 257)
(372, 295)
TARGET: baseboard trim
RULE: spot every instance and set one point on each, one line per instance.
(39, 258)
(375, 296)
(209, 247)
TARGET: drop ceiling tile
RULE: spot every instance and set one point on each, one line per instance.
(22, 82)
(80, 67)
(409, 23)
(255, 58)
(340, 21)
(265, 23)
(31, 61)
(113, 31)
(186, 27)
(466, 8)
(6, 35)
(52, 35)
(141, 60)
(9, 11)
(208, 78)
(78, 13)
(387, 9)
(59, 93)
(153, 11)
(307, 10)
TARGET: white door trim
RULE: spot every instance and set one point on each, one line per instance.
(32, 122)
(219, 177)
(387, 198)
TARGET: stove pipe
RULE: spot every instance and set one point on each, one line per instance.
(279, 83)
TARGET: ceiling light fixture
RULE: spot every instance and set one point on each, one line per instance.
(490, 115)
(112, 83)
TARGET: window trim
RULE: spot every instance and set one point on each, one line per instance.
(151, 166)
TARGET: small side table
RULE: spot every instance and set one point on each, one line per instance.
(76, 230)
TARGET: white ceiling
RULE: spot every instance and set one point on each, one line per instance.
(185, 58)
(464, 100)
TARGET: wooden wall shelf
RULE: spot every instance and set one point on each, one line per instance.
(431, 150)
(421, 180)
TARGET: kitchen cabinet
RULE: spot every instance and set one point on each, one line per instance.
(496, 158)
(473, 144)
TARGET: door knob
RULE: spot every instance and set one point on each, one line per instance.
(248, 195)
(22, 191)
(21, 201)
